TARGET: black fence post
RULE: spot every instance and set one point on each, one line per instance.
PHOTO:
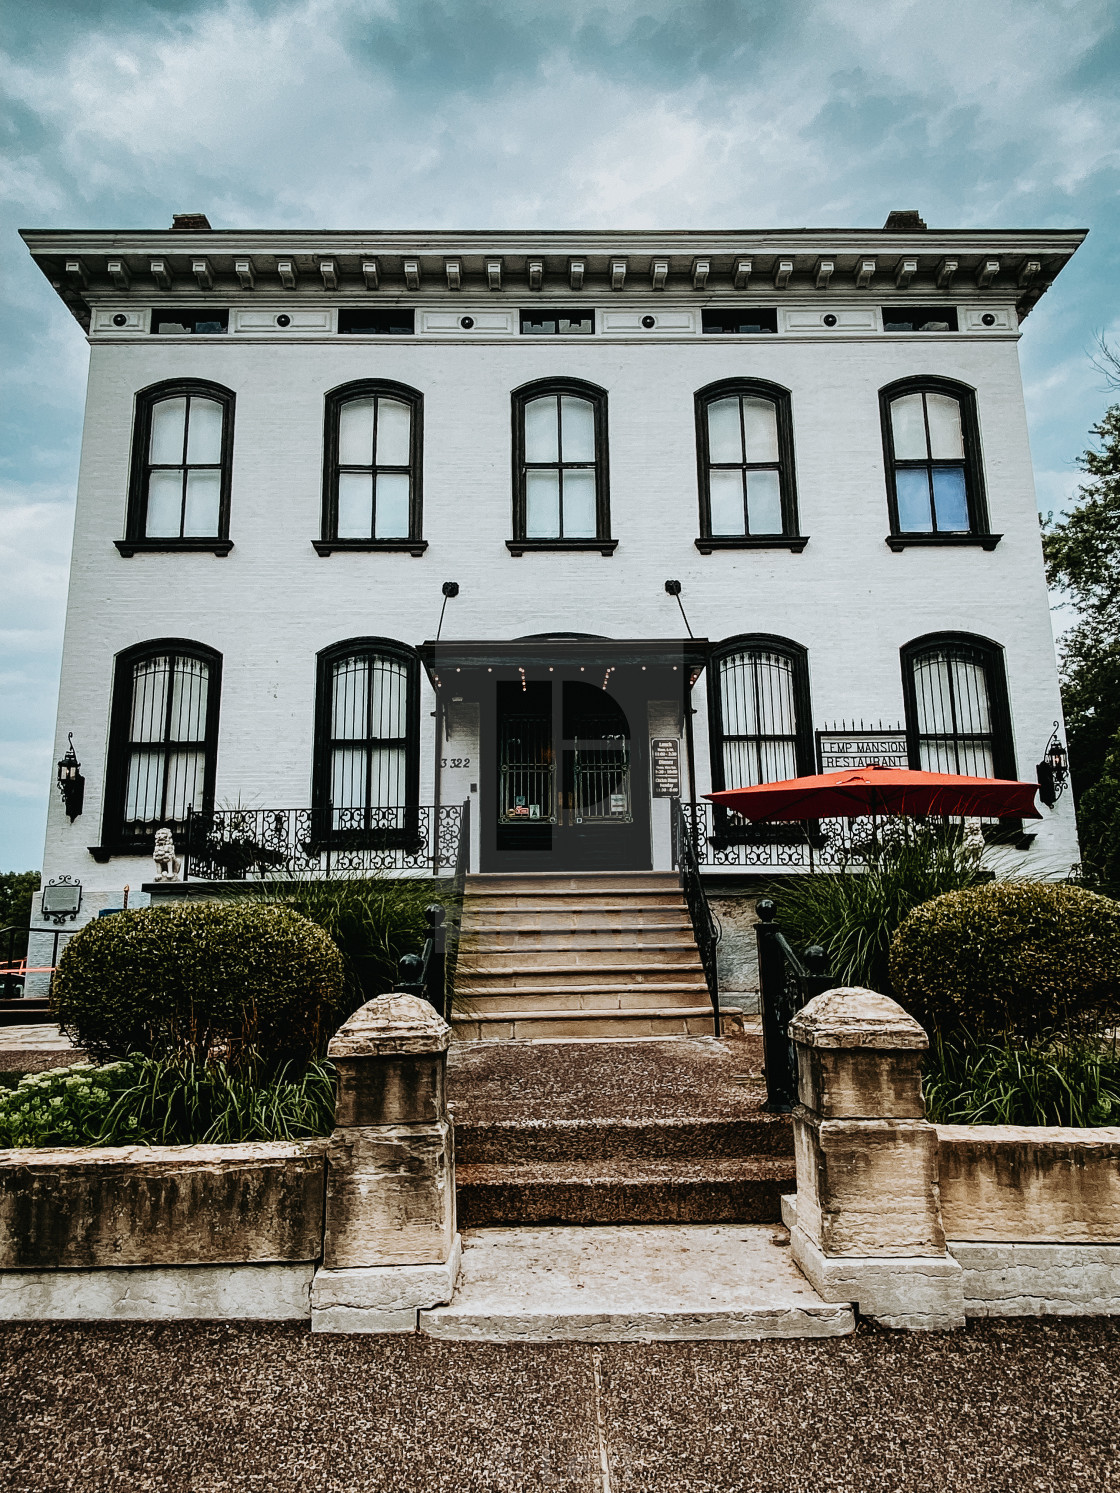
(187, 845)
(778, 1055)
(435, 961)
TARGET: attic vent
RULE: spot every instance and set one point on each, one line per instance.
(190, 223)
(904, 220)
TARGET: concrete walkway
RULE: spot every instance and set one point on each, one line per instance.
(630, 1284)
(1014, 1407)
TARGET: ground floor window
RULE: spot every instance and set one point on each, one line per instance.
(956, 706)
(367, 768)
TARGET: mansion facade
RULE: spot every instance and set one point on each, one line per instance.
(562, 527)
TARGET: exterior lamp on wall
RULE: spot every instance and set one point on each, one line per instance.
(1052, 771)
(71, 784)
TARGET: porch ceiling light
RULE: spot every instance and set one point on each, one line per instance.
(71, 784)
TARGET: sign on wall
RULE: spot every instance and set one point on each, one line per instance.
(665, 755)
(842, 750)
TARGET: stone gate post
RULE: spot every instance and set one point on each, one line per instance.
(390, 1246)
(865, 1225)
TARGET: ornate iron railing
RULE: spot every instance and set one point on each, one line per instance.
(705, 925)
(787, 981)
(267, 844)
(722, 838)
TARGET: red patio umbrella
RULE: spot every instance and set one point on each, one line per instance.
(882, 790)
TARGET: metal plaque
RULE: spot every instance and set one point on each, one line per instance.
(838, 751)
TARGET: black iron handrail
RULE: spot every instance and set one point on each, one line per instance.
(705, 925)
(787, 982)
(431, 974)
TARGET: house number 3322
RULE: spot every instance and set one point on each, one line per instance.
(455, 761)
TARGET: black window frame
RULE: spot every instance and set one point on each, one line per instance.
(193, 317)
(979, 531)
(136, 540)
(527, 316)
(790, 538)
(366, 836)
(114, 838)
(716, 321)
(372, 388)
(726, 827)
(520, 544)
(992, 657)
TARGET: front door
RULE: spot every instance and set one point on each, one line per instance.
(571, 790)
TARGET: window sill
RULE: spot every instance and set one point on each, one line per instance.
(794, 542)
(518, 547)
(326, 547)
(899, 542)
(130, 547)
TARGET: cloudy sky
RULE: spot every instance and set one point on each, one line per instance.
(520, 113)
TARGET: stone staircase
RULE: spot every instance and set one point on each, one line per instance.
(616, 1133)
(594, 955)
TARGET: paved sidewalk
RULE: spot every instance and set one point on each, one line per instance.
(1012, 1407)
(32, 1049)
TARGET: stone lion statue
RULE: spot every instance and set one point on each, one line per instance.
(168, 864)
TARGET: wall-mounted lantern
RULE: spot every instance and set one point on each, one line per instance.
(1053, 771)
(71, 784)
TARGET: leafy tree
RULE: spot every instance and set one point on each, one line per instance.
(1082, 550)
(16, 891)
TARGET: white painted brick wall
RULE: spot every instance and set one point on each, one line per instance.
(273, 603)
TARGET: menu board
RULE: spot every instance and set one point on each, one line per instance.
(665, 752)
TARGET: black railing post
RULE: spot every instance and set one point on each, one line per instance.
(704, 926)
(187, 845)
(327, 835)
(779, 1059)
(435, 958)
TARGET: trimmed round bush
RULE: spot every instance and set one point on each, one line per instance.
(1010, 957)
(242, 981)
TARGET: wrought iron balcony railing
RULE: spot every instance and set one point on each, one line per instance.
(269, 844)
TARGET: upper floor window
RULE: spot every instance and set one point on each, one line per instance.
(163, 740)
(181, 458)
(553, 323)
(744, 446)
(739, 321)
(560, 467)
(205, 323)
(367, 741)
(935, 484)
(366, 322)
(957, 715)
(372, 468)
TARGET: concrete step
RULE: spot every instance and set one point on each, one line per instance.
(573, 919)
(724, 1189)
(584, 1025)
(497, 937)
(590, 881)
(631, 1284)
(24, 1010)
(607, 906)
(555, 978)
(505, 1142)
(533, 958)
(490, 1003)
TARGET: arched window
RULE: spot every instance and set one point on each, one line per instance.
(372, 475)
(561, 498)
(957, 715)
(744, 449)
(367, 738)
(181, 460)
(935, 483)
(163, 741)
(760, 721)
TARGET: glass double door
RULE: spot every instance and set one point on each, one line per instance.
(571, 779)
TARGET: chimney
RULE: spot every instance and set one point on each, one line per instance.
(191, 223)
(904, 220)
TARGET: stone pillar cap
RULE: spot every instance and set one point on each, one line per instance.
(853, 1017)
(392, 1024)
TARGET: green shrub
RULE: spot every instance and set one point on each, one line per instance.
(373, 920)
(854, 913)
(243, 982)
(1010, 957)
(144, 1101)
(1056, 1082)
